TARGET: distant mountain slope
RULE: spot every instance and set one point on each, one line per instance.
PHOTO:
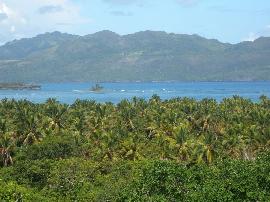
(143, 56)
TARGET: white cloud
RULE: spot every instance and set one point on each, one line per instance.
(251, 37)
(4, 9)
(30, 17)
(8, 19)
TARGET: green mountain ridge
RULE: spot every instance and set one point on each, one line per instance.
(142, 56)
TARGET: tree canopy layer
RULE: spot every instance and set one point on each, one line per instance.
(180, 149)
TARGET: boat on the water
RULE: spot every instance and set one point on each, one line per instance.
(97, 88)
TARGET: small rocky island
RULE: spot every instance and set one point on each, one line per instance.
(19, 86)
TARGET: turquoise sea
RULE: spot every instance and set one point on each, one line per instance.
(114, 92)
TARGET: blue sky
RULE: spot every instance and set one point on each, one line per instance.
(226, 20)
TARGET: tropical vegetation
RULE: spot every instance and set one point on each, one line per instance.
(180, 149)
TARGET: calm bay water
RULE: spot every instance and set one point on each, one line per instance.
(114, 92)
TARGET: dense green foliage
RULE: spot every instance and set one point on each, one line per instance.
(172, 150)
(143, 56)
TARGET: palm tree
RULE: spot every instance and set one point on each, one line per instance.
(6, 149)
(56, 113)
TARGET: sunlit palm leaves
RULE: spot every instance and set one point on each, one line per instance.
(180, 129)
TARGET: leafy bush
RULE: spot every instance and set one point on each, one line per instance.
(13, 192)
(52, 147)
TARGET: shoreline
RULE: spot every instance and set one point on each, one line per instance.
(19, 86)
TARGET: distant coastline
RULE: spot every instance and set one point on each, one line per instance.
(19, 86)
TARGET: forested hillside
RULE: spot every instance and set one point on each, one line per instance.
(143, 56)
